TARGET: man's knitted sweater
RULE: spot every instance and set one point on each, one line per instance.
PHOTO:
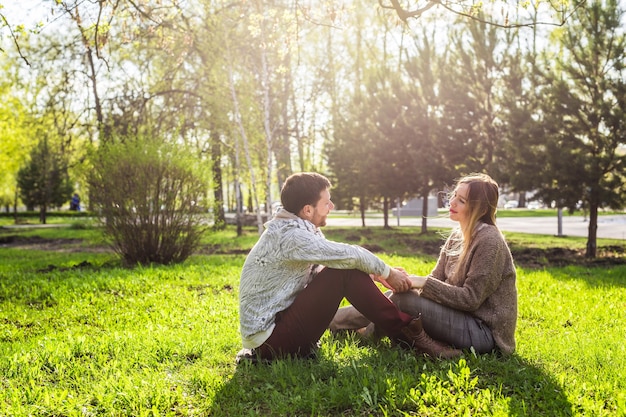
(484, 286)
(282, 263)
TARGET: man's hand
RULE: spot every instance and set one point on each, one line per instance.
(397, 281)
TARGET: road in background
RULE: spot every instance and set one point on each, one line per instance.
(610, 227)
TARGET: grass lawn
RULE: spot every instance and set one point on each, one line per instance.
(82, 336)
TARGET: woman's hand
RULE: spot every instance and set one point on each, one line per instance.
(417, 281)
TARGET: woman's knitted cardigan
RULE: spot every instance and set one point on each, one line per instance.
(485, 285)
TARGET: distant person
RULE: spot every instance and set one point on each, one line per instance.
(294, 279)
(75, 203)
(470, 299)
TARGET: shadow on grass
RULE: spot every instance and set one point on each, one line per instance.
(529, 389)
(391, 382)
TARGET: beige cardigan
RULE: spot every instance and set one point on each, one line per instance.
(484, 287)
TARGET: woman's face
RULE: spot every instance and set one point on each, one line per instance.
(459, 204)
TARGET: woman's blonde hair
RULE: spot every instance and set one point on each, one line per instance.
(482, 203)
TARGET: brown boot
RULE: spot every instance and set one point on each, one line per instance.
(416, 337)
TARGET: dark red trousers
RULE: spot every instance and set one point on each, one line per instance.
(299, 327)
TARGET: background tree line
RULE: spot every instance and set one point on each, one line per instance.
(256, 90)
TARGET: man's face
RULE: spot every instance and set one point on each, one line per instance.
(317, 214)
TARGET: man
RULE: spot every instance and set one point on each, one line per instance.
(294, 279)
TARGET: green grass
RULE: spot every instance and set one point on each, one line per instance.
(54, 217)
(79, 335)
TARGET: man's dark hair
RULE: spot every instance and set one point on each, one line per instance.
(301, 189)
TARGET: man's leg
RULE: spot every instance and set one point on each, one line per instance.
(299, 327)
(349, 318)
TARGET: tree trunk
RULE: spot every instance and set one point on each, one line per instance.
(425, 212)
(386, 213)
(42, 214)
(15, 206)
(239, 208)
(593, 231)
(362, 210)
(219, 219)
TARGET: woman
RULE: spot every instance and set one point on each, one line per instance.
(470, 299)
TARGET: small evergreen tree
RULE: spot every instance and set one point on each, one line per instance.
(44, 181)
(584, 109)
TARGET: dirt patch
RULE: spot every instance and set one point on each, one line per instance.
(217, 250)
(37, 242)
(427, 247)
(82, 265)
(539, 258)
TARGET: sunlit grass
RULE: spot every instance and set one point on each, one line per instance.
(99, 339)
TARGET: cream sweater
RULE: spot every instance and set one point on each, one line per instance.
(282, 263)
(484, 287)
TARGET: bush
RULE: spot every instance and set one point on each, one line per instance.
(147, 193)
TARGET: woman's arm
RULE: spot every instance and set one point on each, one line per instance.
(479, 277)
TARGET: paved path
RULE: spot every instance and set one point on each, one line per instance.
(612, 227)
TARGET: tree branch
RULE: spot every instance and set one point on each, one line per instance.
(14, 37)
(403, 13)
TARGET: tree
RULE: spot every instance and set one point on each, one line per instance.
(585, 114)
(15, 140)
(349, 156)
(349, 144)
(472, 87)
(44, 182)
(394, 142)
(166, 67)
(522, 136)
(422, 114)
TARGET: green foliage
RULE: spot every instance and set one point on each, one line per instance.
(149, 195)
(584, 113)
(44, 181)
(16, 143)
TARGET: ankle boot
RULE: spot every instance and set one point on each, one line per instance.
(418, 339)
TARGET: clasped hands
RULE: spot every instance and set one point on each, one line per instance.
(400, 281)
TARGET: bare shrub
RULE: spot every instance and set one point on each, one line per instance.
(147, 194)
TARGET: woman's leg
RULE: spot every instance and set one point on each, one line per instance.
(446, 324)
(299, 327)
